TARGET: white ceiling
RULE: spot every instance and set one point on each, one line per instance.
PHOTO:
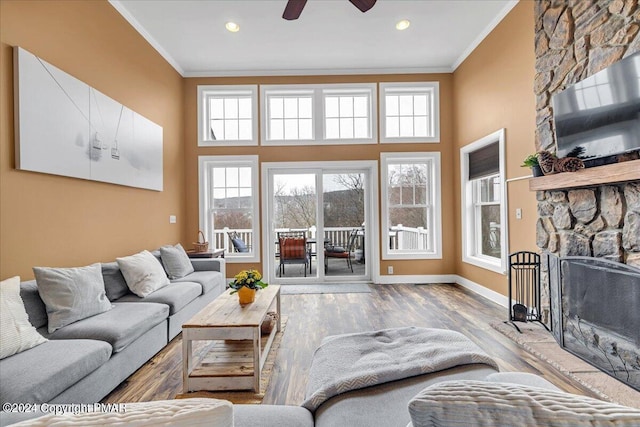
(330, 37)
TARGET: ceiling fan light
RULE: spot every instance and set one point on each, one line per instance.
(403, 25)
(232, 26)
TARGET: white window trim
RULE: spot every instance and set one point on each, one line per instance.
(436, 202)
(434, 87)
(203, 114)
(318, 118)
(204, 163)
(469, 235)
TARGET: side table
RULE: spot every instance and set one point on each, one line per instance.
(213, 253)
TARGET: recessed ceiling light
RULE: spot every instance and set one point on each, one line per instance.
(232, 26)
(403, 25)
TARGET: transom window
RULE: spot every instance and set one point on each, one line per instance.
(318, 114)
(347, 116)
(227, 115)
(230, 118)
(410, 112)
(411, 205)
(484, 215)
(290, 118)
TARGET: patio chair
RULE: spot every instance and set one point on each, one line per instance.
(293, 250)
(332, 251)
(238, 244)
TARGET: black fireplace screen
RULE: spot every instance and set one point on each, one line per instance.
(597, 304)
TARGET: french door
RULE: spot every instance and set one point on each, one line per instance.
(329, 203)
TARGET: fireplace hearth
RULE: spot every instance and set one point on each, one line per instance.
(595, 313)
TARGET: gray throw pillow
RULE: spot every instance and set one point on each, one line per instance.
(176, 261)
(143, 272)
(114, 284)
(71, 294)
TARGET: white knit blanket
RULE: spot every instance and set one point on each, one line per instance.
(354, 361)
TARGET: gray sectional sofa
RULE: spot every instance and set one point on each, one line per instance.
(85, 360)
(398, 377)
(473, 394)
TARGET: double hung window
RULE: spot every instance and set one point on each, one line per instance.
(229, 204)
(483, 203)
(411, 208)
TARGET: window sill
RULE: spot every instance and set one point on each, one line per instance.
(410, 140)
(318, 142)
(233, 258)
(486, 264)
(234, 143)
(411, 255)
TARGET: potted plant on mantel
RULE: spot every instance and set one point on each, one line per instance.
(531, 161)
(246, 284)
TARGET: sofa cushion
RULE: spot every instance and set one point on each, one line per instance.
(502, 404)
(182, 412)
(175, 295)
(114, 284)
(119, 327)
(143, 272)
(176, 262)
(33, 304)
(271, 416)
(209, 280)
(71, 294)
(16, 333)
(41, 373)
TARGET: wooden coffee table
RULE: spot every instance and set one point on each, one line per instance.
(225, 319)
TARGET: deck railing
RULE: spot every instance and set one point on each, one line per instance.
(408, 238)
(400, 237)
(335, 235)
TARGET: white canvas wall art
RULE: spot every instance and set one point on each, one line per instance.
(65, 127)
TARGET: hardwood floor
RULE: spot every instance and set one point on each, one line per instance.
(314, 316)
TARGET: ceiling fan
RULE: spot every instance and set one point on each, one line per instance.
(294, 7)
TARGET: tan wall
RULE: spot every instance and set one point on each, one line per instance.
(57, 221)
(51, 220)
(493, 89)
(318, 153)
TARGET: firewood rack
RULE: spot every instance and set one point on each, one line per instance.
(524, 288)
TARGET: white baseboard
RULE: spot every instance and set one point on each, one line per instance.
(487, 293)
(415, 279)
(446, 278)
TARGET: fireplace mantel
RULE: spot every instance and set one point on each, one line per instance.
(608, 174)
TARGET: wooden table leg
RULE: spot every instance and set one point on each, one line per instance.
(257, 366)
(279, 316)
(186, 361)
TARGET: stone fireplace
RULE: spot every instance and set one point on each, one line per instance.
(600, 220)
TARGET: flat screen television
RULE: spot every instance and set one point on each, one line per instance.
(598, 118)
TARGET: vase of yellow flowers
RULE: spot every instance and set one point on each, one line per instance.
(246, 284)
